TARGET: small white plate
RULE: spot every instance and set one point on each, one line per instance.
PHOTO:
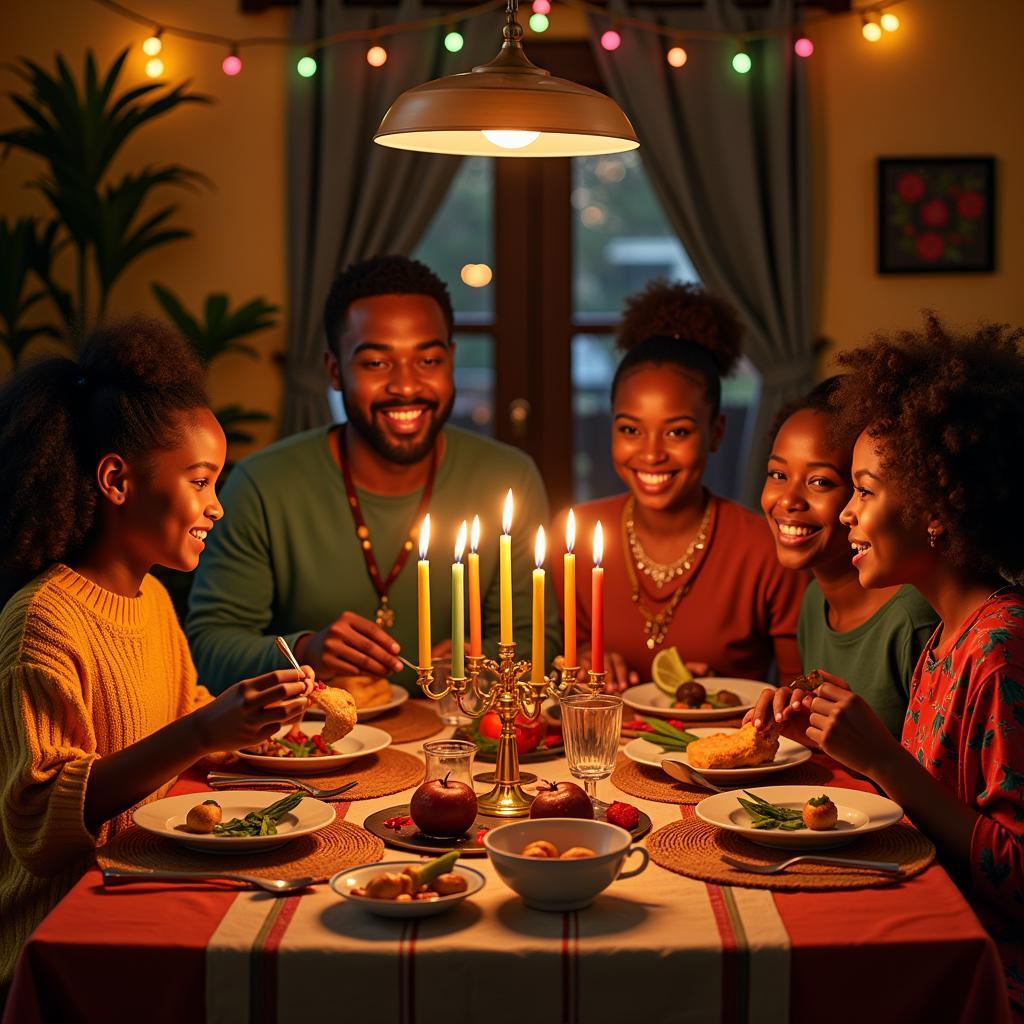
(859, 814)
(399, 695)
(166, 818)
(648, 699)
(361, 741)
(344, 881)
(790, 753)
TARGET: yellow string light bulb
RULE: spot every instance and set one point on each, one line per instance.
(154, 67)
(871, 31)
(676, 56)
(889, 22)
(376, 56)
(153, 44)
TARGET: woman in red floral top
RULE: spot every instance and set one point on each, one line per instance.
(938, 499)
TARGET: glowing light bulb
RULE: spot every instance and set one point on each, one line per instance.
(376, 56)
(153, 45)
(541, 6)
(871, 31)
(306, 67)
(803, 47)
(453, 42)
(539, 23)
(611, 40)
(510, 139)
(676, 56)
(742, 63)
(476, 275)
(154, 67)
(231, 65)
(889, 22)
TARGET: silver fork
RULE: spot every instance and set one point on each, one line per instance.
(812, 858)
(278, 886)
(222, 780)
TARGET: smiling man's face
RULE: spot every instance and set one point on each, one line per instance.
(395, 370)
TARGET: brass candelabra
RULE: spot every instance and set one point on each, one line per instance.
(512, 693)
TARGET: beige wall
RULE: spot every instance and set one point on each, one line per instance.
(949, 82)
(238, 142)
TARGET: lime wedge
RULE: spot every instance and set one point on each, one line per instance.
(669, 672)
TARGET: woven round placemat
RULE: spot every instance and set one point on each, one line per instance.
(694, 848)
(414, 720)
(381, 774)
(334, 848)
(653, 784)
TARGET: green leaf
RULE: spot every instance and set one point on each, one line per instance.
(998, 637)
(1012, 780)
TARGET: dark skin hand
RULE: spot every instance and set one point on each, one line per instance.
(619, 676)
(242, 716)
(351, 645)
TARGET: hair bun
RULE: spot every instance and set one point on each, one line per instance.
(686, 311)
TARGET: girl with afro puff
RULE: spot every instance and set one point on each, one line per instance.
(109, 463)
(938, 494)
(684, 568)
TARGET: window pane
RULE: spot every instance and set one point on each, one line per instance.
(621, 238)
(459, 244)
(474, 383)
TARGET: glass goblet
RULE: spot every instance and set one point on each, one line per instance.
(591, 725)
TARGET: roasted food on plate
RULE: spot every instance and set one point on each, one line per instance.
(366, 691)
(427, 881)
(743, 749)
(820, 814)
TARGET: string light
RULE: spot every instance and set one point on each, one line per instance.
(539, 23)
(231, 65)
(803, 47)
(376, 56)
(889, 22)
(541, 6)
(153, 44)
(611, 40)
(871, 31)
(306, 66)
(676, 56)
(453, 41)
(154, 67)
(741, 63)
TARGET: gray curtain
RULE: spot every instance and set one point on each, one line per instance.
(727, 157)
(349, 198)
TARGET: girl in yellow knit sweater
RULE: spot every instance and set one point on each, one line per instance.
(108, 466)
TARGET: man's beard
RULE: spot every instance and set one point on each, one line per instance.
(405, 453)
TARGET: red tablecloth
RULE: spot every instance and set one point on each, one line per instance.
(911, 952)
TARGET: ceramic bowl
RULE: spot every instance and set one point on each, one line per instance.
(561, 884)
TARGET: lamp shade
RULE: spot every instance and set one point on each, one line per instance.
(508, 107)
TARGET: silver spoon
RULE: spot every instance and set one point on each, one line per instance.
(684, 773)
(278, 886)
(813, 858)
(221, 780)
(282, 646)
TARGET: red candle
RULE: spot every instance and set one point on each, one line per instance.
(597, 603)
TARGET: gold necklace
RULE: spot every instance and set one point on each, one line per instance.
(656, 624)
(659, 572)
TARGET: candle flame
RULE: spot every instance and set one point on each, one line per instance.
(538, 551)
(425, 536)
(460, 542)
(506, 515)
(570, 532)
(474, 536)
(598, 543)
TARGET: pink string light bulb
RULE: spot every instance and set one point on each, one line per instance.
(231, 65)
(803, 47)
(611, 40)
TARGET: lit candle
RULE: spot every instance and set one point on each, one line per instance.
(538, 609)
(458, 609)
(597, 603)
(570, 589)
(423, 579)
(505, 570)
(475, 642)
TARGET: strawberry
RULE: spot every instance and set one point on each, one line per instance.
(624, 815)
(479, 837)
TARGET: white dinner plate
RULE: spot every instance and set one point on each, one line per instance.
(649, 700)
(361, 741)
(790, 753)
(860, 813)
(399, 695)
(166, 818)
(344, 881)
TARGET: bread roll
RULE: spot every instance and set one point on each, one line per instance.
(367, 691)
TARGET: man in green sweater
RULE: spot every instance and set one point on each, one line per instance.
(319, 541)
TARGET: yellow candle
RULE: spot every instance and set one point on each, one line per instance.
(570, 590)
(538, 610)
(505, 570)
(458, 618)
(475, 640)
(423, 579)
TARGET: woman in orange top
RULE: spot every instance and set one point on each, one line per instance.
(683, 567)
(110, 463)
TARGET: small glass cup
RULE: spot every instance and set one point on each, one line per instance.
(448, 709)
(591, 726)
(453, 758)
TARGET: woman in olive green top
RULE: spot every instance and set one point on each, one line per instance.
(872, 638)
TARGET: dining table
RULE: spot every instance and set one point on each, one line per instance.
(659, 947)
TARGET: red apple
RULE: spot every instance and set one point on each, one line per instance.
(441, 807)
(561, 800)
(528, 734)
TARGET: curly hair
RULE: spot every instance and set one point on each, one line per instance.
(946, 411)
(60, 416)
(680, 324)
(381, 275)
(820, 400)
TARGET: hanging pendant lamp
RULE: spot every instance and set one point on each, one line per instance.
(507, 107)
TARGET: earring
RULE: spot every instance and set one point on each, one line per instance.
(933, 538)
